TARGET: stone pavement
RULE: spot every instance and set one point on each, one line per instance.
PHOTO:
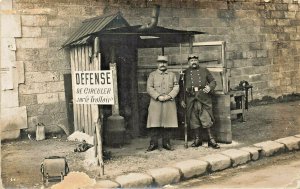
(190, 168)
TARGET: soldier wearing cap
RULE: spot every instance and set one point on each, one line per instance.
(162, 86)
(199, 83)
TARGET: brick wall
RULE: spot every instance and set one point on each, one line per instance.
(262, 43)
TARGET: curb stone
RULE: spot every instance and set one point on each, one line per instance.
(134, 180)
(254, 152)
(106, 184)
(164, 176)
(270, 148)
(237, 157)
(212, 163)
(291, 143)
(217, 162)
(192, 167)
(297, 136)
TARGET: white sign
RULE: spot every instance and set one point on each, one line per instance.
(94, 87)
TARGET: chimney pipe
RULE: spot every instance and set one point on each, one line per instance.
(154, 19)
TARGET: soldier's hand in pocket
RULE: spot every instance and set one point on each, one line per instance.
(206, 89)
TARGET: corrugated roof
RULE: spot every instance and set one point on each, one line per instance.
(154, 37)
(114, 28)
(94, 25)
(156, 30)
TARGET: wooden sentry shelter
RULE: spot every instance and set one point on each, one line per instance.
(85, 56)
(107, 39)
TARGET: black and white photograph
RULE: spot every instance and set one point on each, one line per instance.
(150, 94)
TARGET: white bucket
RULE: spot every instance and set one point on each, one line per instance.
(40, 132)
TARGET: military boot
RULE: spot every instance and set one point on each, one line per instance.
(154, 140)
(152, 147)
(166, 141)
(197, 138)
(211, 141)
(167, 146)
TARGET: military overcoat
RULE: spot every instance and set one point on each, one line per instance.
(162, 114)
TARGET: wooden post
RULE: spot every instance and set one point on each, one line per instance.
(115, 107)
(73, 69)
(96, 114)
(98, 147)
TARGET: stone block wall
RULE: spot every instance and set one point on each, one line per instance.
(45, 26)
(262, 44)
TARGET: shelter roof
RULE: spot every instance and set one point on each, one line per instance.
(115, 29)
(94, 25)
(154, 37)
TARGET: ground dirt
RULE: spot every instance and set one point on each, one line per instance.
(21, 159)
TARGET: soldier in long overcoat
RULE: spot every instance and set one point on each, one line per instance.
(197, 90)
(162, 86)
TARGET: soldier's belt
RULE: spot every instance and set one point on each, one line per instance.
(192, 91)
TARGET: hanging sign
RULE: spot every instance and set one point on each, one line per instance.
(94, 87)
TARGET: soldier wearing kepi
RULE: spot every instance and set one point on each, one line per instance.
(199, 83)
(162, 86)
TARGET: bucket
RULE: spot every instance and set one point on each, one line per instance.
(40, 131)
(115, 136)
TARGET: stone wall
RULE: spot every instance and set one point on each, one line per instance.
(262, 44)
(262, 39)
(46, 25)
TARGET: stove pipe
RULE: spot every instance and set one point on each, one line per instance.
(154, 19)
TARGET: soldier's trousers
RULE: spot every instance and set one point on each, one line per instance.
(199, 116)
(160, 132)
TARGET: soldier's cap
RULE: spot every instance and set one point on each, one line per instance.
(162, 59)
(192, 56)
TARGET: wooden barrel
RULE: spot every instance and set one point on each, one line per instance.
(222, 114)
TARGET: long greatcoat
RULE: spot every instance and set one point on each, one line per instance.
(162, 114)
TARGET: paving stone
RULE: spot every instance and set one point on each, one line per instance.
(254, 152)
(270, 148)
(237, 157)
(134, 180)
(217, 162)
(297, 136)
(164, 176)
(192, 167)
(291, 143)
(106, 184)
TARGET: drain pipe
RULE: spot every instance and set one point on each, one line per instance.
(154, 19)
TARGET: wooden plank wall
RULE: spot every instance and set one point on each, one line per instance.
(83, 113)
